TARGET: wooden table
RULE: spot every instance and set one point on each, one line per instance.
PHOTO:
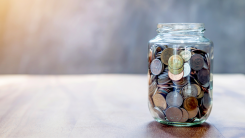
(107, 106)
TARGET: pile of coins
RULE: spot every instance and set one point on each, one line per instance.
(179, 80)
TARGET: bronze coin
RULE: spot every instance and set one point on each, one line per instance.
(203, 76)
(193, 113)
(185, 115)
(156, 66)
(166, 54)
(197, 62)
(190, 103)
(159, 101)
(175, 77)
(174, 99)
(206, 100)
(173, 114)
(175, 62)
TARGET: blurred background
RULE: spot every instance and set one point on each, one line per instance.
(109, 36)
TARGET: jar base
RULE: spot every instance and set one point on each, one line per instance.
(180, 124)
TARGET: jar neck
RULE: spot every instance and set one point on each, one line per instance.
(181, 29)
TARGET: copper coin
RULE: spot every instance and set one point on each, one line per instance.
(159, 101)
(166, 54)
(198, 89)
(159, 113)
(189, 91)
(185, 115)
(203, 76)
(206, 100)
(187, 69)
(175, 62)
(174, 99)
(197, 62)
(173, 114)
(175, 77)
(149, 77)
(156, 66)
(193, 113)
(190, 103)
(186, 55)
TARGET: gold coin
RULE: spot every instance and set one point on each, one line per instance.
(166, 54)
(176, 71)
(200, 95)
(175, 62)
(190, 103)
(186, 55)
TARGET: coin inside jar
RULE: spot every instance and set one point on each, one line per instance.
(159, 112)
(173, 114)
(197, 62)
(206, 100)
(175, 62)
(190, 103)
(166, 54)
(156, 66)
(174, 99)
(198, 89)
(159, 101)
(185, 115)
(176, 71)
(193, 113)
(189, 91)
(203, 76)
(175, 77)
(187, 69)
(186, 55)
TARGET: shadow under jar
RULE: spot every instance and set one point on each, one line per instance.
(180, 74)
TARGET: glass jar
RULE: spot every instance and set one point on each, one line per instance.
(180, 74)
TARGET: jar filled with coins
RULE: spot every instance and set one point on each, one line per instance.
(180, 66)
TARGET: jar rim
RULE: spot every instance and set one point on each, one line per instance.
(180, 26)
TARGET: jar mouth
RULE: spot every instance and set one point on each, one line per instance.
(169, 27)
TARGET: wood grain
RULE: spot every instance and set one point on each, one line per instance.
(106, 106)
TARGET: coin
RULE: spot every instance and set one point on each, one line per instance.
(156, 66)
(190, 103)
(206, 85)
(189, 91)
(149, 77)
(159, 113)
(185, 115)
(166, 54)
(173, 114)
(175, 77)
(186, 55)
(152, 88)
(203, 76)
(187, 69)
(206, 100)
(175, 62)
(174, 99)
(197, 62)
(150, 56)
(200, 95)
(198, 89)
(159, 101)
(176, 71)
(163, 81)
(193, 113)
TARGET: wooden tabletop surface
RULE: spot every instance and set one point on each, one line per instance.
(105, 106)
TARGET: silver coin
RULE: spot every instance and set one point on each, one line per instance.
(156, 66)
(173, 114)
(189, 91)
(174, 99)
(206, 85)
(187, 69)
(206, 100)
(159, 113)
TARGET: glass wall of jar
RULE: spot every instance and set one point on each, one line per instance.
(180, 74)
